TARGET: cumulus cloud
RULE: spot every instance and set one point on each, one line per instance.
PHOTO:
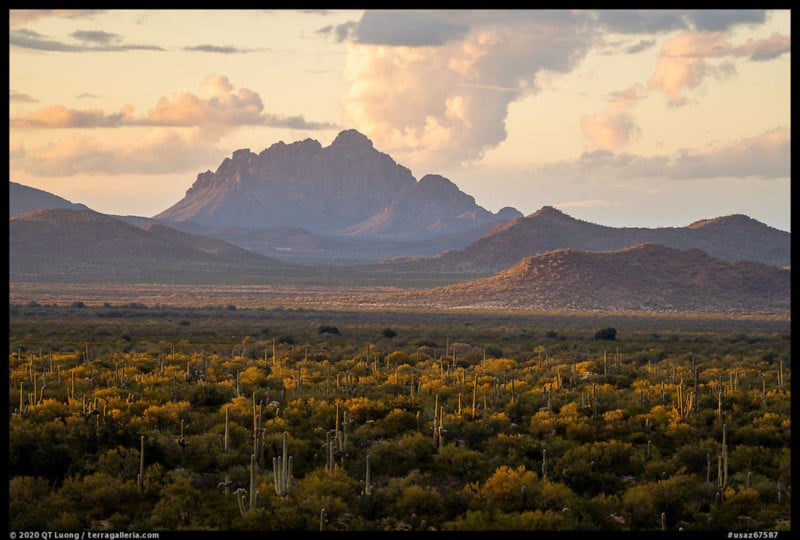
(765, 156)
(765, 49)
(683, 60)
(612, 128)
(220, 109)
(223, 107)
(608, 130)
(431, 105)
(58, 117)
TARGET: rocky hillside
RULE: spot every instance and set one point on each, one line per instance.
(347, 188)
(645, 278)
(731, 238)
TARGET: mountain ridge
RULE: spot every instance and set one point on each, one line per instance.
(64, 245)
(730, 238)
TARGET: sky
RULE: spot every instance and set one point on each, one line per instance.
(624, 118)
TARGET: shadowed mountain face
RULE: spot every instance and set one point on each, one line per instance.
(348, 188)
(83, 244)
(730, 238)
(645, 277)
(23, 199)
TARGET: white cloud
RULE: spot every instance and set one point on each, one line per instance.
(223, 108)
(432, 106)
(684, 59)
(608, 130)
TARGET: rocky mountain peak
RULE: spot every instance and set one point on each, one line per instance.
(352, 138)
(434, 184)
(281, 150)
(739, 220)
(549, 212)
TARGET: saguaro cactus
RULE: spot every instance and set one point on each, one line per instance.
(182, 439)
(248, 504)
(544, 463)
(475, 391)
(226, 441)
(282, 469)
(436, 422)
(225, 485)
(140, 476)
(367, 484)
(724, 458)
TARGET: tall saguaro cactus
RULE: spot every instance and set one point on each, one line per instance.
(475, 390)
(367, 484)
(724, 457)
(226, 441)
(252, 500)
(544, 463)
(282, 469)
(140, 476)
(436, 422)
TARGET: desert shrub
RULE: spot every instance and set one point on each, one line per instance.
(608, 334)
(327, 329)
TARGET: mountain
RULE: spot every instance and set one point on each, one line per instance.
(23, 199)
(86, 245)
(642, 278)
(432, 206)
(730, 238)
(346, 189)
